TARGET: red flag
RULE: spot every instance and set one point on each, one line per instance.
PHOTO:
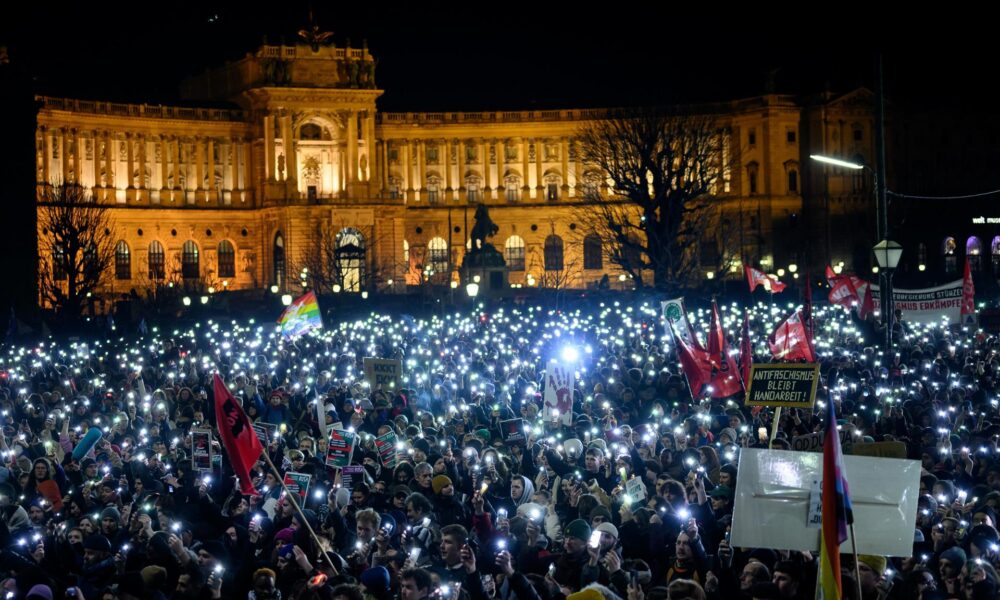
(238, 437)
(850, 292)
(968, 294)
(746, 349)
(719, 371)
(791, 341)
(756, 277)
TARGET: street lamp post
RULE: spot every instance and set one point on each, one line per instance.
(887, 255)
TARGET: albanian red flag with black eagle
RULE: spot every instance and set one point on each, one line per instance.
(238, 437)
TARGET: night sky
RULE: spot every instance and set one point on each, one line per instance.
(436, 56)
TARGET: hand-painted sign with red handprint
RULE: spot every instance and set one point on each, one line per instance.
(559, 393)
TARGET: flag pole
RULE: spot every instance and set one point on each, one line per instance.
(774, 427)
(291, 498)
(854, 549)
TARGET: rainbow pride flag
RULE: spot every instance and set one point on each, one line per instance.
(837, 511)
(301, 316)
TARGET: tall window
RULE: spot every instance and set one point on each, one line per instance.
(948, 248)
(472, 188)
(552, 187)
(156, 261)
(752, 177)
(278, 254)
(227, 259)
(437, 255)
(59, 264)
(512, 186)
(553, 253)
(513, 253)
(395, 187)
(190, 267)
(350, 259)
(123, 261)
(974, 252)
(995, 251)
(793, 182)
(433, 189)
(591, 185)
(592, 256)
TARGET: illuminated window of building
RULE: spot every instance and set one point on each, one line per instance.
(190, 265)
(592, 185)
(156, 261)
(473, 186)
(513, 253)
(433, 189)
(395, 185)
(593, 257)
(123, 261)
(995, 251)
(974, 252)
(553, 253)
(948, 247)
(59, 263)
(227, 259)
(437, 255)
(552, 181)
(278, 255)
(512, 185)
(311, 132)
(350, 259)
(433, 155)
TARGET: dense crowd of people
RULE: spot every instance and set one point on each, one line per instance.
(630, 497)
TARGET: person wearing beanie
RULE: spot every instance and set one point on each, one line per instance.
(871, 568)
(600, 514)
(587, 593)
(440, 483)
(446, 506)
(39, 592)
(728, 435)
(950, 564)
(570, 565)
(376, 581)
(98, 565)
(111, 519)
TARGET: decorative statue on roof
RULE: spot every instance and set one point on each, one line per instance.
(313, 36)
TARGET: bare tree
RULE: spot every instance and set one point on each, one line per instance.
(662, 168)
(76, 247)
(327, 261)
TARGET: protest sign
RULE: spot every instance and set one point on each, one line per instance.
(350, 475)
(927, 305)
(201, 449)
(265, 432)
(813, 442)
(558, 398)
(341, 448)
(386, 447)
(384, 373)
(512, 432)
(772, 505)
(297, 483)
(783, 384)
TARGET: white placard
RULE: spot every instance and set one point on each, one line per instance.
(558, 396)
(772, 501)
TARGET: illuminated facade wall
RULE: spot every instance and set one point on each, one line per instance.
(306, 148)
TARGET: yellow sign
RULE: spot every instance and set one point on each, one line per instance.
(781, 384)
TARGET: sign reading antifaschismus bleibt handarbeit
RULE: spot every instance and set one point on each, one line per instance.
(791, 385)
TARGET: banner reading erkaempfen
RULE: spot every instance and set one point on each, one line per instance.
(926, 305)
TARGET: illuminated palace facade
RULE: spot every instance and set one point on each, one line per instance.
(236, 198)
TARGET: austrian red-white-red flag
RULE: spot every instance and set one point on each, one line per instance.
(237, 435)
(757, 277)
(791, 341)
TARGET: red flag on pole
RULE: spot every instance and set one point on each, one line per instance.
(807, 308)
(746, 349)
(968, 294)
(791, 341)
(850, 292)
(238, 437)
(757, 277)
(702, 367)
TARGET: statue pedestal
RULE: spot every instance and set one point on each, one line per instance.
(486, 267)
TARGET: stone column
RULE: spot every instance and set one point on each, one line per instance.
(448, 189)
(407, 173)
(77, 157)
(142, 161)
(501, 148)
(291, 155)
(210, 151)
(130, 153)
(578, 181)
(422, 168)
(269, 158)
(96, 167)
(383, 164)
(109, 160)
(286, 146)
(234, 166)
(352, 146)
(462, 192)
(64, 155)
(46, 155)
(199, 160)
(369, 146)
(175, 159)
(163, 163)
(525, 188)
(564, 156)
(539, 184)
(485, 160)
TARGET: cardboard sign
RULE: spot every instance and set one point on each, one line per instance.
(265, 432)
(882, 449)
(384, 373)
(386, 447)
(512, 432)
(351, 474)
(201, 450)
(341, 448)
(813, 442)
(635, 489)
(558, 398)
(792, 385)
(297, 483)
(773, 489)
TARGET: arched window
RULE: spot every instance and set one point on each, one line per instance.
(278, 254)
(59, 263)
(156, 261)
(311, 131)
(350, 259)
(948, 247)
(512, 186)
(553, 253)
(592, 256)
(227, 259)
(995, 251)
(974, 252)
(513, 253)
(190, 267)
(123, 261)
(437, 255)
